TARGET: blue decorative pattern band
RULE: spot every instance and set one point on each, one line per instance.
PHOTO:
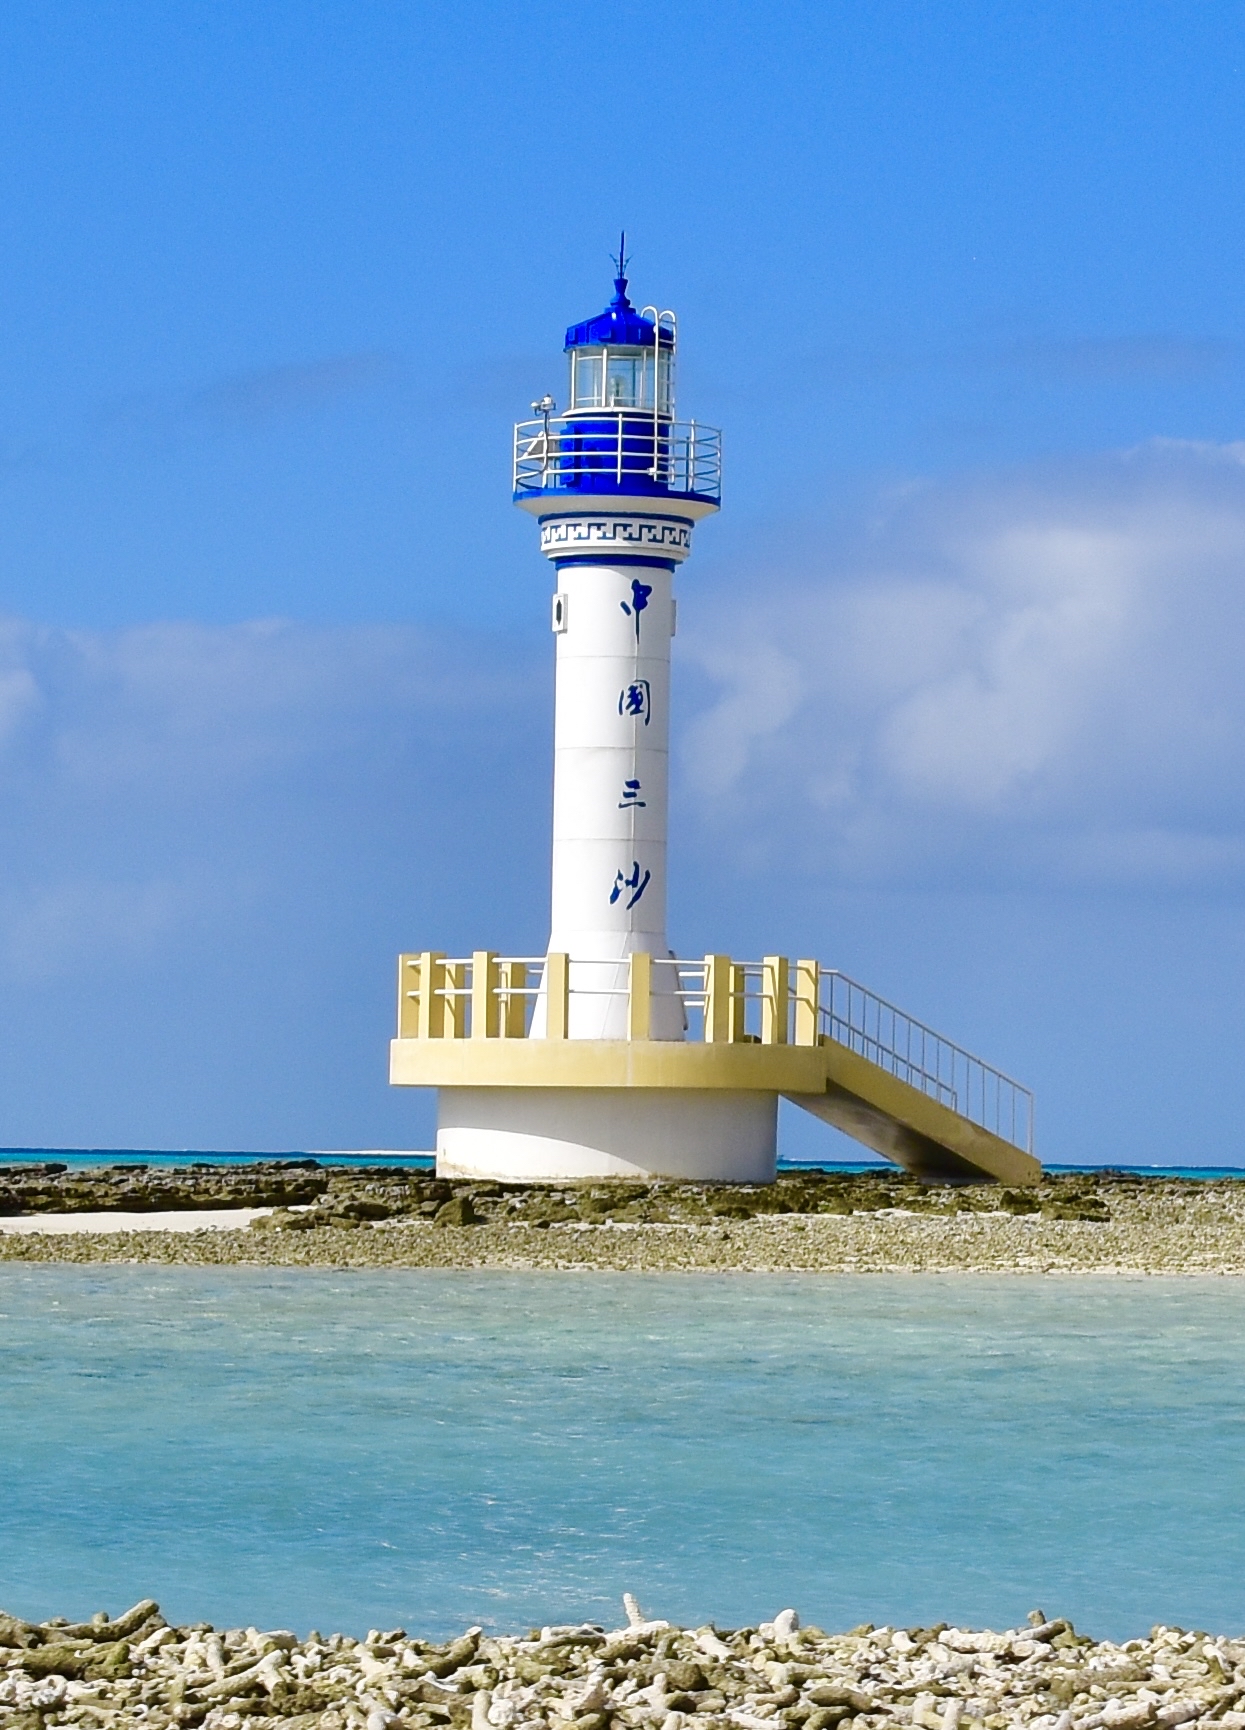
(666, 539)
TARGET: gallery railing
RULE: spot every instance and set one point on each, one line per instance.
(769, 1002)
(617, 450)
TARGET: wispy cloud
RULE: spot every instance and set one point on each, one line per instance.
(295, 389)
(236, 403)
(1157, 357)
(1028, 676)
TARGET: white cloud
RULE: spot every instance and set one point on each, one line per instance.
(46, 925)
(1035, 676)
(157, 781)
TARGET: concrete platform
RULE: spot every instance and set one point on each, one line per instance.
(834, 1083)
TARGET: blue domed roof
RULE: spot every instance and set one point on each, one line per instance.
(619, 325)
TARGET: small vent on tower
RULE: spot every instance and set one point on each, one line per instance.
(559, 613)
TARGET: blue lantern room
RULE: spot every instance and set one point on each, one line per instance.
(615, 357)
(618, 435)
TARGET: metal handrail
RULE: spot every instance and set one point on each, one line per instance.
(660, 327)
(907, 1048)
(885, 1003)
(576, 451)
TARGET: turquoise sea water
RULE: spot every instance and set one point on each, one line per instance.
(308, 1448)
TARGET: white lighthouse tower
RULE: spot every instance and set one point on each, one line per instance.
(617, 487)
(608, 1056)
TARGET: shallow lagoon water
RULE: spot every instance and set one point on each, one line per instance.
(433, 1449)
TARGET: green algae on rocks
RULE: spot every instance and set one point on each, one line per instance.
(333, 1196)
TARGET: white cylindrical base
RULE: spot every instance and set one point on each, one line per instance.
(550, 1135)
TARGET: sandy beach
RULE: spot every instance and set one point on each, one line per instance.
(63, 1224)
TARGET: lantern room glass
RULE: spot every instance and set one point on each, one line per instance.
(616, 378)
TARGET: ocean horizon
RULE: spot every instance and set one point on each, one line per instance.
(426, 1161)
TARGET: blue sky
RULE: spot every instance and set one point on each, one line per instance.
(958, 668)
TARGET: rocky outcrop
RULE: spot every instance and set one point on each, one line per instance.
(306, 1195)
(875, 1221)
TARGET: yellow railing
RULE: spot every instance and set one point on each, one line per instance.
(773, 1001)
(488, 996)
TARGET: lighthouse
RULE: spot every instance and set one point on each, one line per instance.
(609, 1056)
(617, 486)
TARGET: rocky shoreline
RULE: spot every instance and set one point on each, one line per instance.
(646, 1675)
(808, 1221)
